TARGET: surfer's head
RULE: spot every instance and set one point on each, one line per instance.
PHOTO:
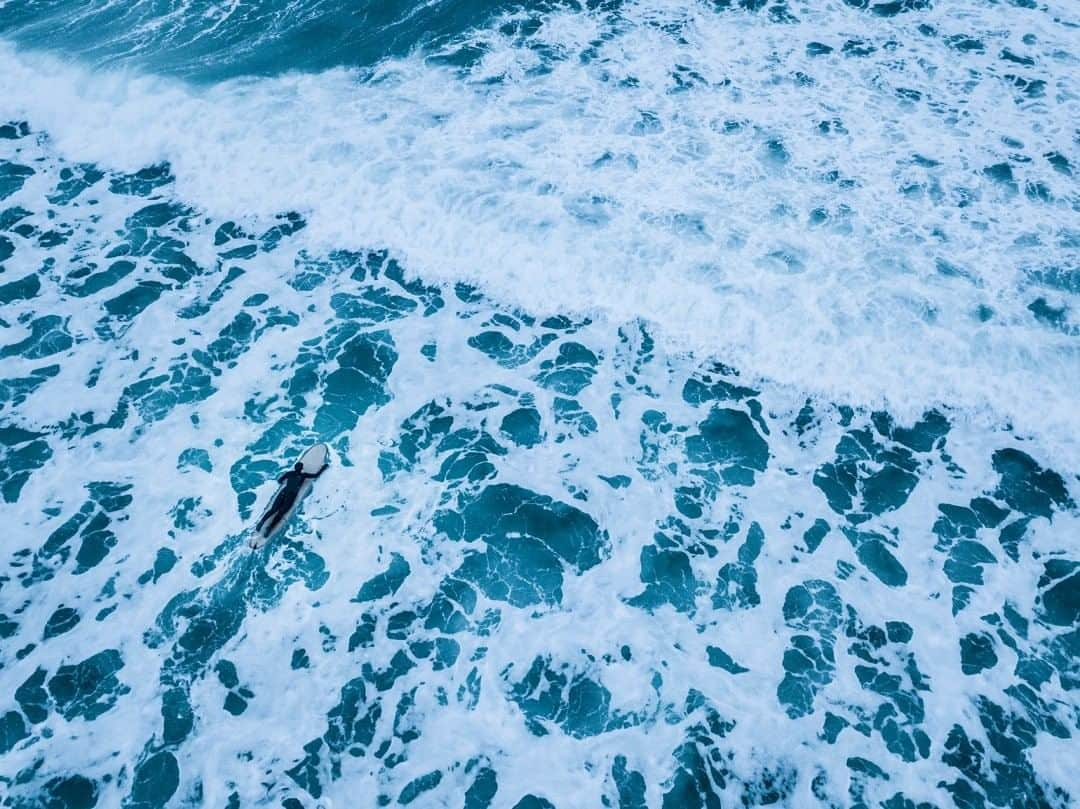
(298, 466)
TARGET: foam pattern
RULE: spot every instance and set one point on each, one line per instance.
(699, 382)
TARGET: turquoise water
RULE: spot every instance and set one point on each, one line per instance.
(207, 41)
(699, 381)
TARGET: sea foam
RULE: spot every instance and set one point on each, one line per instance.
(879, 224)
(612, 515)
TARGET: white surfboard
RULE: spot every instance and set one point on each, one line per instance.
(313, 460)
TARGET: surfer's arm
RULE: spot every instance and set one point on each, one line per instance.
(313, 475)
(281, 478)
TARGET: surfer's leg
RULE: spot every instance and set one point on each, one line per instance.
(278, 510)
(263, 519)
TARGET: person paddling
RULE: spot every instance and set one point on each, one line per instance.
(291, 482)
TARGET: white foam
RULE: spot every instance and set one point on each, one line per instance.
(688, 225)
(593, 619)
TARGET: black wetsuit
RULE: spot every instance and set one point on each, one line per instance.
(290, 482)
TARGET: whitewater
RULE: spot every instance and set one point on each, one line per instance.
(700, 382)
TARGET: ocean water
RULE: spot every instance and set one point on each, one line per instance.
(700, 381)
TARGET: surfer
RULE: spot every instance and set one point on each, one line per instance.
(290, 482)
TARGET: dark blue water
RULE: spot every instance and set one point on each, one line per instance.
(209, 41)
